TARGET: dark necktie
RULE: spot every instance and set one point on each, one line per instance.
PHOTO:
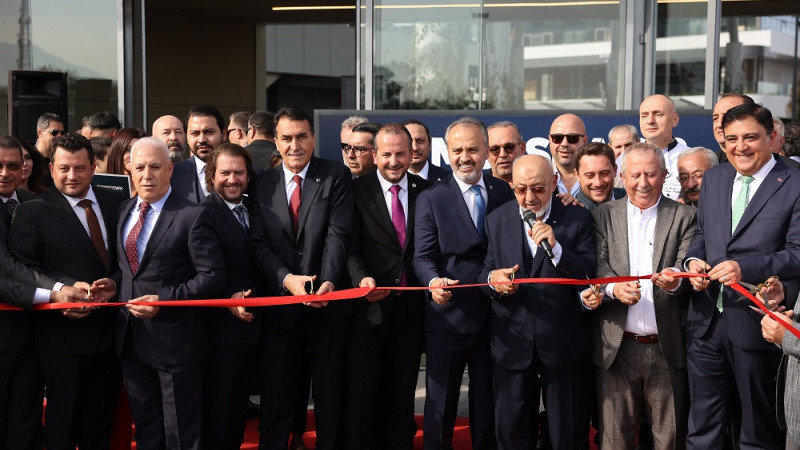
(11, 205)
(133, 237)
(399, 223)
(239, 211)
(95, 233)
(294, 201)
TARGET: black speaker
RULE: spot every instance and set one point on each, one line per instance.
(34, 93)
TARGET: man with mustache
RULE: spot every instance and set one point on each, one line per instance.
(450, 246)
(421, 149)
(657, 118)
(595, 167)
(505, 145)
(204, 125)
(169, 130)
(692, 163)
(567, 135)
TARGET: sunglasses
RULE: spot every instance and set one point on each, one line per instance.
(509, 148)
(522, 190)
(11, 166)
(572, 138)
(55, 132)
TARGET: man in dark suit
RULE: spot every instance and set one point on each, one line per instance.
(538, 331)
(167, 249)
(204, 125)
(300, 233)
(233, 332)
(21, 381)
(595, 168)
(68, 234)
(450, 248)
(743, 234)
(261, 138)
(421, 150)
(385, 333)
(639, 346)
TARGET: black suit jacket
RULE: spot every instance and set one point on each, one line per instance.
(182, 260)
(447, 244)
(321, 245)
(436, 173)
(185, 184)
(545, 318)
(47, 235)
(260, 150)
(241, 274)
(377, 254)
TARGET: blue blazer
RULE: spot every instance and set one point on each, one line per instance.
(545, 318)
(448, 245)
(766, 242)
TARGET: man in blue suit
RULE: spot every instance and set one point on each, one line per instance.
(748, 229)
(539, 332)
(450, 248)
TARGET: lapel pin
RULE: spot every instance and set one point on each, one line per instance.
(413, 185)
(780, 180)
(491, 187)
(317, 180)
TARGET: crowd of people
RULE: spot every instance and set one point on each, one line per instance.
(242, 208)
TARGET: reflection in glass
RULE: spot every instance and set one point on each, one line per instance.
(681, 53)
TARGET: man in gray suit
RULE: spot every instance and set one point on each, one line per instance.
(639, 344)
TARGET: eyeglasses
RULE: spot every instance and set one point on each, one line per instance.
(537, 190)
(683, 178)
(509, 148)
(572, 138)
(11, 166)
(229, 131)
(55, 132)
(357, 150)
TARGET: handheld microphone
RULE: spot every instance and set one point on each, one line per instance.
(530, 218)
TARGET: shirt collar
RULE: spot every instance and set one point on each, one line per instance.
(73, 201)
(386, 185)
(13, 195)
(762, 173)
(464, 187)
(635, 209)
(199, 163)
(288, 174)
(157, 206)
(233, 205)
(546, 214)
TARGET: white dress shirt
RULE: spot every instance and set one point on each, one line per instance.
(201, 174)
(149, 222)
(469, 197)
(758, 178)
(423, 173)
(402, 195)
(81, 213)
(289, 183)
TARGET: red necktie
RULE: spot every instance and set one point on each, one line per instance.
(294, 201)
(95, 234)
(133, 237)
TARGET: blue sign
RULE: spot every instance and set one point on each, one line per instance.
(694, 128)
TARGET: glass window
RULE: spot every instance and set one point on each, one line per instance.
(680, 49)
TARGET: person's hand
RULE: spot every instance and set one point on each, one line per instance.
(542, 231)
(501, 280)
(590, 299)
(665, 280)
(239, 311)
(375, 294)
(69, 294)
(144, 311)
(296, 284)
(82, 285)
(772, 330)
(726, 272)
(772, 294)
(699, 266)
(440, 294)
(324, 288)
(102, 290)
(567, 199)
(628, 293)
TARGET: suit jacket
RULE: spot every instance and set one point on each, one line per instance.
(674, 230)
(789, 390)
(260, 150)
(448, 245)
(377, 254)
(322, 242)
(241, 274)
(182, 260)
(185, 184)
(47, 235)
(545, 318)
(436, 173)
(766, 242)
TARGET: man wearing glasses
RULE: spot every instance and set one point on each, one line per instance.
(505, 145)
(358, 153)
(567, 135)
(48, 128)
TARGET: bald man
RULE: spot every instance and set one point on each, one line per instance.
(567, 135)
(169, 130)
(657, 119)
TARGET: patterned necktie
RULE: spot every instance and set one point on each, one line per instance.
(294, 201)
(739, 206)
(133, 237)
(95, 233)
(480, 205)
(399, 223)
(11, 205)
(239, 211)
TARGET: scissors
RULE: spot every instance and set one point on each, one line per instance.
(593, 287)
(756, 289)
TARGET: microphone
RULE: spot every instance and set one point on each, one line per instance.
(530, 218)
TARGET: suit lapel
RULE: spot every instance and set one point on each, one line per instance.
(413, 191)
(723, 208)
(198, 191)
(769, 186)
(619, 217)
(461, 209)
(228, 216)
(71, 222)
(665, 216)
(311, 186)
(279, 203)
(165, 219)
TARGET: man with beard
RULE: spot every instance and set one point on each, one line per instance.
(691, 165)
(595, 167)
(505, 145)
(234, 331)
(421, 149)
(450, 247)
(169, 130)
(567, 135)
(204, 125)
